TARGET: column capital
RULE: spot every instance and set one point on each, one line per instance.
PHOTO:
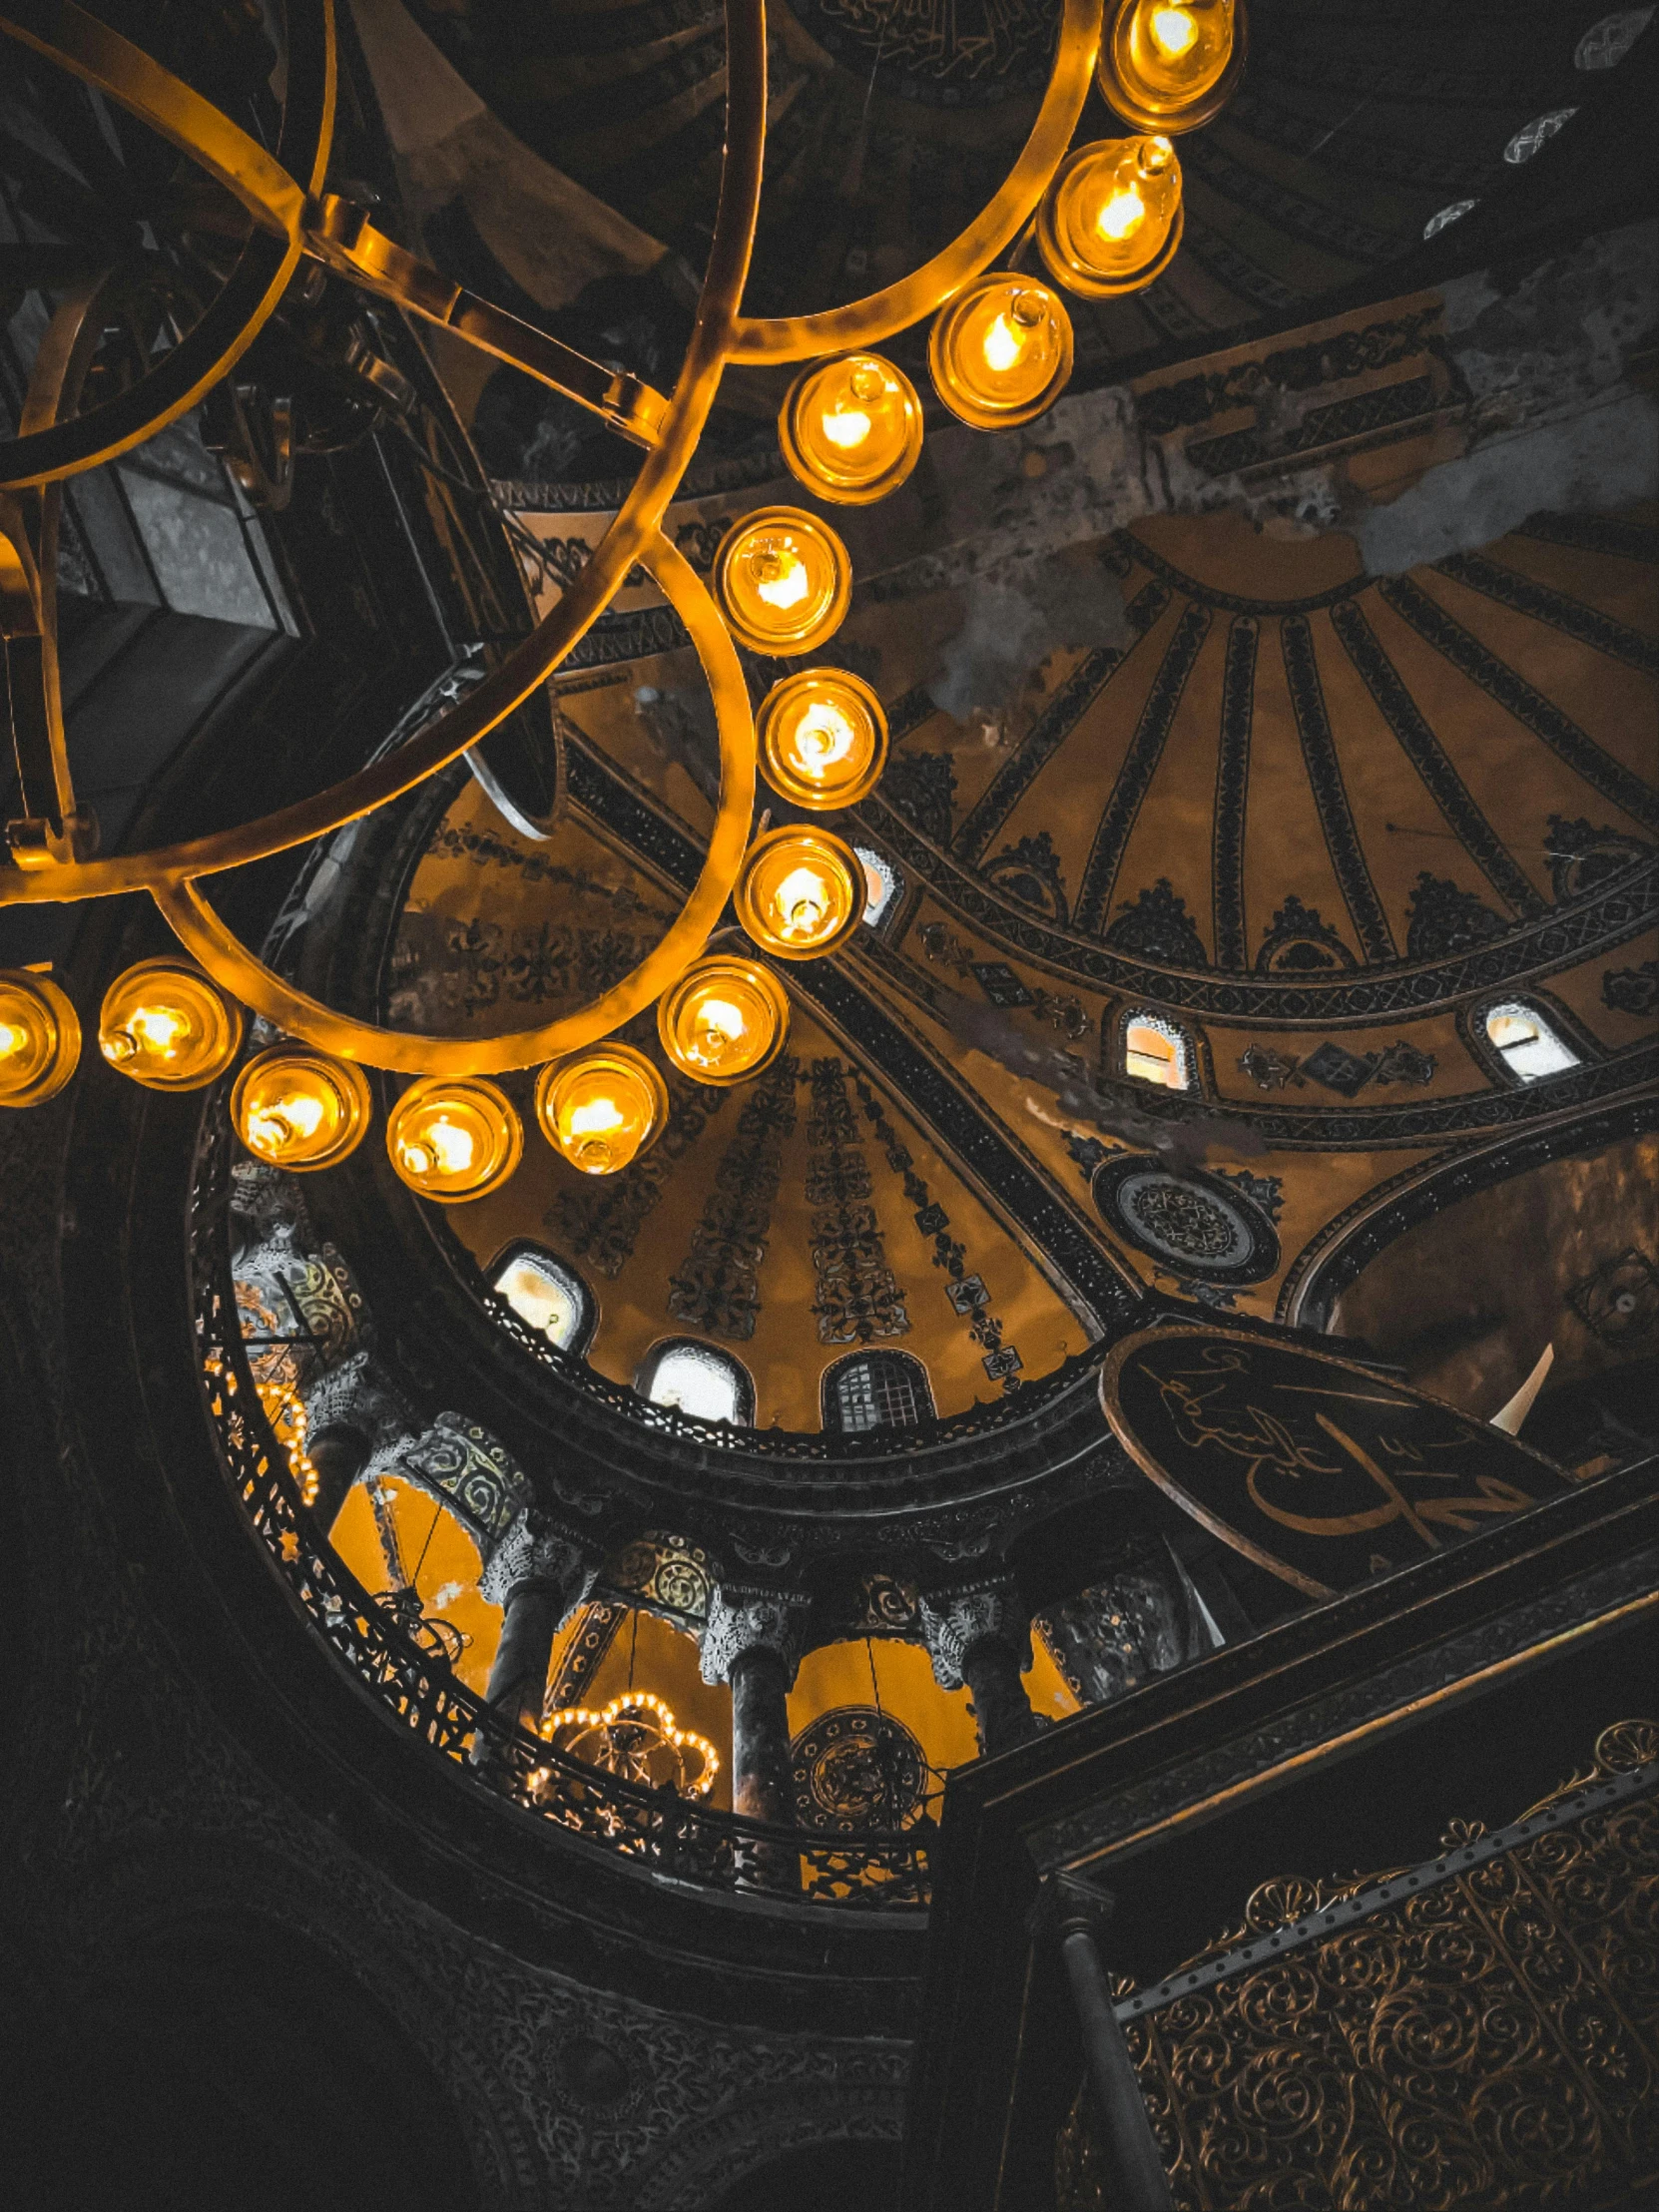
(354, 1396)
(539, 1553)
(953, 1621)
(744, 1618)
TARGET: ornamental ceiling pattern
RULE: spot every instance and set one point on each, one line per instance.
(1307, 817)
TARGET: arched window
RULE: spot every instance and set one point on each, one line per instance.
(876, 1389)
(1525, 1043)
(882, 882)
(699, 1379)
(1156, 1051)
(542, 1290)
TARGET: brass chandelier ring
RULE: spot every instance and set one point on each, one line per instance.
(879, 315)
(274, 190)
(240, 971)
(294, 218)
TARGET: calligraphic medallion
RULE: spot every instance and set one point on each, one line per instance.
(1317, 1468)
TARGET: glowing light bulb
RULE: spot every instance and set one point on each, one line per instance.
(781, 578)
(824, 738)
(725, 1019)
(601, 1108)
(168, 1026)
(1111, 221)
(1173, 31)
(1000, 352)
(39, 1038)
(784, 579)
(800, 893)
(301, 1110)
(850, 429)
(1170, 65)
(453, 1137)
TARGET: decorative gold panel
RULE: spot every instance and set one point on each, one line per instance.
(1492, 2042)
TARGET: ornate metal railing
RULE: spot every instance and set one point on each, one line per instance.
(946, 1433)
(674, 1836)
(1480, 2029)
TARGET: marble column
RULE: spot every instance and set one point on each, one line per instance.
(539, 1574)
(753, 1639)
(979, 1638)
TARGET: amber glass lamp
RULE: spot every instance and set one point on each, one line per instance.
(40, 1038)
(300, 1109)
(802, 892)
(1112, 219)
(725, 1019)
(1000, 352)
(454, 1137)
(600, 1108)
(785, 581)
(1171, 64)
(168, 1028)
(852, 429)
(824, 738)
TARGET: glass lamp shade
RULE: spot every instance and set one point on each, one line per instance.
(1112, 219)
(1171, 64)
(40, 1038)
(168, 1028)
(802, 892)
(1000, 352)
(852, 429)
(785, 581)
(453, 1137)
(824, 738)
(600, 1108)
(298, 1109)
(725, 1020)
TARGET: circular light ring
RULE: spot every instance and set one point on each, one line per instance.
(781, 715)
(138, 1005)
(857, 385)
(285, 1072)
(1126, 91)
(36, 1069)
(636, 1076)
(968, 389)
(746, 985)
(822, 565)
(771, 860)
(1060, 235)
(440, 1117)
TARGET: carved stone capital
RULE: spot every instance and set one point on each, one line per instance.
(353, 1396)
(743, 1619)
(953, 1621)
(540, 1553)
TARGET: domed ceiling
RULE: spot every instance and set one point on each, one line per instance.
(1304, 818)
(889, 126)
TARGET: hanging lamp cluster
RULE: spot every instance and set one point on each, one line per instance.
(1106, 218)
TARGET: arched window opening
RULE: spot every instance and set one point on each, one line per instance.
(700, 1381)
(876, 1389)
(1526, 1045)
(882, 882)
(547, 1294)
(1154, 1051)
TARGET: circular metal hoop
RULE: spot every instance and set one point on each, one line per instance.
(275, 190)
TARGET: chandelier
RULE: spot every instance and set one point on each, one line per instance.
(636, 1738)
(1104, 218)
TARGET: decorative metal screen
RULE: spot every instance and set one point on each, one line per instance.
(1480, 2032)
